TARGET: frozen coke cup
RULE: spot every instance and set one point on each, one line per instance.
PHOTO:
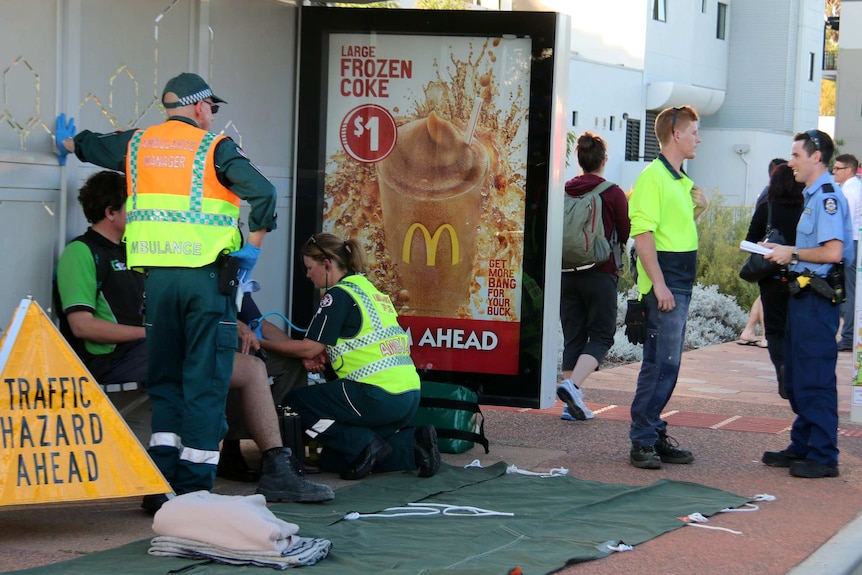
(431, 193)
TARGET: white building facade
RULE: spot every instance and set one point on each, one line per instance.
(751, 68)
(848, 100)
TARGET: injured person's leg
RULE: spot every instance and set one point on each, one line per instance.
(282, 478)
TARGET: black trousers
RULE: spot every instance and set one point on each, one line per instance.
(774, 299)
(588, 313)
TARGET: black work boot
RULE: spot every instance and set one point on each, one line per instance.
(232, 465)
(644, 457)
(282, 480)
(152, 503)
(374, 453)
(783, 458)
(425, 450)
(669, 451)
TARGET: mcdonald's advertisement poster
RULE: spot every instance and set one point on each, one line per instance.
(426, 153)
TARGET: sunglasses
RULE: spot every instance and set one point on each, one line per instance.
(213, 107)
(313, 242)
(673, 120)
(812, 135)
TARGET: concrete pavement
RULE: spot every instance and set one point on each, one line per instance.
(725, 409)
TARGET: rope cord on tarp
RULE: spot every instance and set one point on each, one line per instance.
(698, 520)
(554, 472)
(428, 509)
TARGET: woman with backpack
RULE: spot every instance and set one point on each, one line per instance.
(588, 295)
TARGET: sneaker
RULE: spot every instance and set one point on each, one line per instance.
(566, 416)
(812, 469)
(783, 458)
(668, 450)
(573, 397)
(644, 457)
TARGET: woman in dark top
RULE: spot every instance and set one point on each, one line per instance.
(785, 195)
(588, 298)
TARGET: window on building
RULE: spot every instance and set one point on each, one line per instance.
(651, 148)
(659, 10)
(721, 21)
(574, 117)
(811, 66)
(703, 4)
(633, 138)
(611, 123)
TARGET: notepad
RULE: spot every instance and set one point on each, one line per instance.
(754, 248)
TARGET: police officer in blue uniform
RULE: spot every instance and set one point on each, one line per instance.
(823, 241)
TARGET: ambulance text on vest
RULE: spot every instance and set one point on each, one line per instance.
(165, 247)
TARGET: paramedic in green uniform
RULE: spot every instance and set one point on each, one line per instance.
(184, 189)
(359, 418)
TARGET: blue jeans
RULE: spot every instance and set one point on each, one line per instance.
(660, 367)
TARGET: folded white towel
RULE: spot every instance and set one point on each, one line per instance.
(239, 522)
(306, 551)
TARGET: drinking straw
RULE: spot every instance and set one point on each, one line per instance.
(474, 119)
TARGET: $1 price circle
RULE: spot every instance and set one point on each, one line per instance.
(368, 133)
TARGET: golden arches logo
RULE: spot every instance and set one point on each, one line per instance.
(431, 243)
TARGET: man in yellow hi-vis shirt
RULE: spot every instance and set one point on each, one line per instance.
(663, 208)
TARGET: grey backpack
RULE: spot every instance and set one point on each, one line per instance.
(584, 242)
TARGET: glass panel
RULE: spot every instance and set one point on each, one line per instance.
(659, 10)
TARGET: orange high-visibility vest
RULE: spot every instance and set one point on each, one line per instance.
(177, 214)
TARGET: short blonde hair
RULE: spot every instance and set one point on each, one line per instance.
(670, 119)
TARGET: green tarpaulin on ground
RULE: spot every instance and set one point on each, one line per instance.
(557, 521)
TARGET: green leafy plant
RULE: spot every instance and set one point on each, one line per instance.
(571, 142)
(720, 299)
(713, 318)
(441, 4)
(720, 229)
(369, 5)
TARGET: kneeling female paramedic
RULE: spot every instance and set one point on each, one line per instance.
(360, 417)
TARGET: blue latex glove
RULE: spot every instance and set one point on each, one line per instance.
(62, 131)
(247, 256)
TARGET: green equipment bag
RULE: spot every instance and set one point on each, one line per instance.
(454, 412)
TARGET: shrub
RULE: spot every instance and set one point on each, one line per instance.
(715, 315)
(720, 229)
(713, 318)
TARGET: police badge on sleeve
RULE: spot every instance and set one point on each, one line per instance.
(830, 205)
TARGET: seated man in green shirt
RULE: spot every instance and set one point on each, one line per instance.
(97, 299)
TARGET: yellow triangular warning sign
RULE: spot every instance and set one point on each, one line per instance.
(61, 439)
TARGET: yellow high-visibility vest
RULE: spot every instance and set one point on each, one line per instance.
(380, 353)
